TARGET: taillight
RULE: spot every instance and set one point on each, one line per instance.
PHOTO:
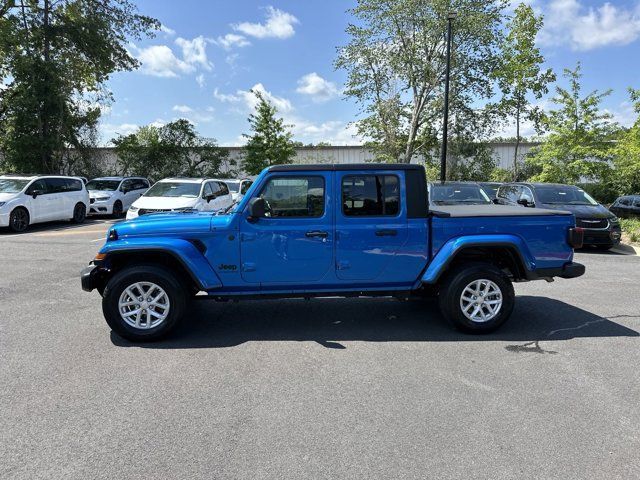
(576, 237)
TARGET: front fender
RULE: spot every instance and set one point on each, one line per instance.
(449, 250)
(182, 250)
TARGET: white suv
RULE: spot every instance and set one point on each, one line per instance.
(183, 194)
(25, 200)
(238, 187)
(114, 195)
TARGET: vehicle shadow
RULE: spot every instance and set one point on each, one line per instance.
(59, 226)
(330, 322)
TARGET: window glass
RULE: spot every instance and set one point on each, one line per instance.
(455, 194)
(98, 184)
(636, 202)
(12, 185)
(56, 185)
(245, 187)
(624, 201)
(526, 194)
(174, 189)
(38, 185)
(233, 185)
(207, 191)
(73, 185)
(564, 195)
(224, 190)
(294, 196)
(370, 195)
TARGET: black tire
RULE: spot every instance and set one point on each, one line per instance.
(455, 283)
(143, 273)
(79, 213)
(117, 209)
(19, 220)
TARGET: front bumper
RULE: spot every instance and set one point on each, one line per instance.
(609, 236)
(4, 219)
(90, 278)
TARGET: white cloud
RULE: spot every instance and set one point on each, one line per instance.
(200, 80)
(182, 109)
(232, 40)
(335, 132)
(194, 52)
(159, 61)
(319, 89)
(167, 31)
(249, 100)
(586, 28)
(278, 24)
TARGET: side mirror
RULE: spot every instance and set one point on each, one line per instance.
(256, 209)
(496, 201)
(35, 193)
(525, 203)
(209, 197)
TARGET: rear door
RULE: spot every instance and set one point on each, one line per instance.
(371, 222)
(294, 243)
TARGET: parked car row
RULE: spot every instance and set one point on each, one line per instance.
(29, 199)
(601, 226)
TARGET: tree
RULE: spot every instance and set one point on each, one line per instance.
(56, 56)
(580, 136)
(395, 62)
(174, 149)
(626, 155)
(519, 75)
(270, 141)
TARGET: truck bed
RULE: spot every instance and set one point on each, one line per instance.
(446, 211)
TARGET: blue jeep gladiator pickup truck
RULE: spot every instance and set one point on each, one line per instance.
(330, 230)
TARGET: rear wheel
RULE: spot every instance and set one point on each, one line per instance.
(143, 303)
(19, 220)
(117, 209)
(79, 213)
(477, 298)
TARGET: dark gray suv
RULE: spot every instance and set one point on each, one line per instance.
(601, 227)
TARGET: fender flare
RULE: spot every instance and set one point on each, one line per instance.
(183, 251)
(452, 247)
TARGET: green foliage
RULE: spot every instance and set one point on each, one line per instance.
(579, 141)
(475, 162)
(172, 150)
(519, 74)
(501, 175)
(270, 141)
(625, 177)
(631, 228)
(56, 57)
(395, 62)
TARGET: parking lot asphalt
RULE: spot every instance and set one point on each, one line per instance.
(326, 388)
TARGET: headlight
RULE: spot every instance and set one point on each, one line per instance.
(133, 209)
(102, 199)
(614, 219)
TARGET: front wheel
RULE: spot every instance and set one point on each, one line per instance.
(477, 298)
(143, 303)
(19, 220)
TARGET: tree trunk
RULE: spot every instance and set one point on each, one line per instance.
(46, 154)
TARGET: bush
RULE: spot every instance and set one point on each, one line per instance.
(631, 229)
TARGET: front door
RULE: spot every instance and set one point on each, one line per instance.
(371, 223)
(293, 244)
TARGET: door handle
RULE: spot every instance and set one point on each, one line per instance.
(386, 233)
(316, 233)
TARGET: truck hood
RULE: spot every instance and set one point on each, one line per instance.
(172, 223)
(581, 211)
(163, 203)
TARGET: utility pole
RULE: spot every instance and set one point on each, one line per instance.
(445, 122)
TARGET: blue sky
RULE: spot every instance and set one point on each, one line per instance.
(209, 54)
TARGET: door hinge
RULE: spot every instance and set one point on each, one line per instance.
(343, 265)
(248, 267)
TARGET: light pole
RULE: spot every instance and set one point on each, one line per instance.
(445, 121)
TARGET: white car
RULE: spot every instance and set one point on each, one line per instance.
(25, 200)
(114, 195)
(238, 187)
(183, 194)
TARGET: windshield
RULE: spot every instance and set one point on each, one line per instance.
(564, 195)
(456, 194)
(233, 186)
(12, 185)
(490, 189)
(103, 184)
(174, 189)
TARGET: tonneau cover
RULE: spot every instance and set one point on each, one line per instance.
(491, 211)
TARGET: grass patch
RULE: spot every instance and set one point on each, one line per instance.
(630, 229)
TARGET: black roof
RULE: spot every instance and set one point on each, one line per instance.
(345, 166)
(542, 184)
(453, 182)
